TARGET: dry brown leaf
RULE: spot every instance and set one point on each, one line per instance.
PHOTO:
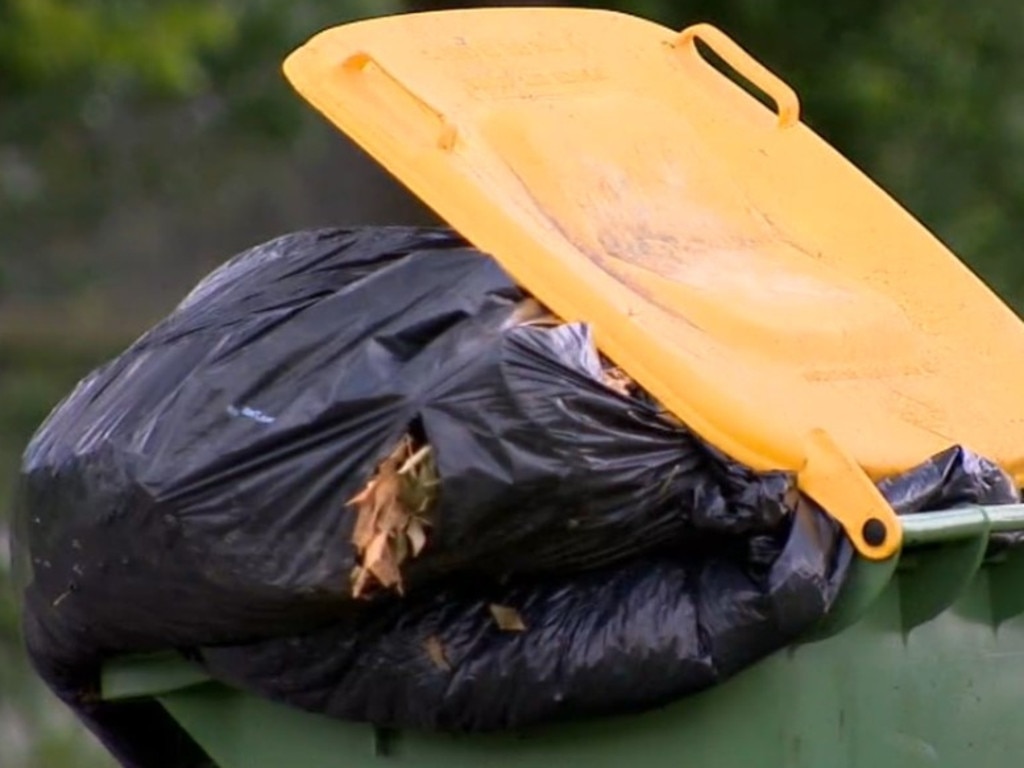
(393, 514)
(380, 561)
(377, 497)
(360, 578)
(366, 516)
(615, 379)
(419, 482)
(399, 544)
(398, 497)
(532, 312)
(415, 460)
(417, 536)
(507, 618)
(435, 650)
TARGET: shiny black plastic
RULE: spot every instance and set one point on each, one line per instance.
(614, 640)
(954, 478)
(191, 495)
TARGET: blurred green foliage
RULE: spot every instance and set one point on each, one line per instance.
(158, 44)
(111, 101)
(125, 122)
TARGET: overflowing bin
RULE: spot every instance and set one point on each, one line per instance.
(686, 444)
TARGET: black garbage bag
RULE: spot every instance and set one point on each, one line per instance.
(194, 494)
(954, 478)
(618, 639)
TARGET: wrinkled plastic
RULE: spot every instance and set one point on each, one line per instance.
(614, 640)
(192, 494)
(954, 478)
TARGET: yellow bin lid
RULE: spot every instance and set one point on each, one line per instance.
(734, 264)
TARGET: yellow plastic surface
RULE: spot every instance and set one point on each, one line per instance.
(739, 268)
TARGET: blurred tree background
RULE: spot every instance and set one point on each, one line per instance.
(144, 141)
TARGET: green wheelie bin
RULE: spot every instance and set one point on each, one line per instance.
(522, 127)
